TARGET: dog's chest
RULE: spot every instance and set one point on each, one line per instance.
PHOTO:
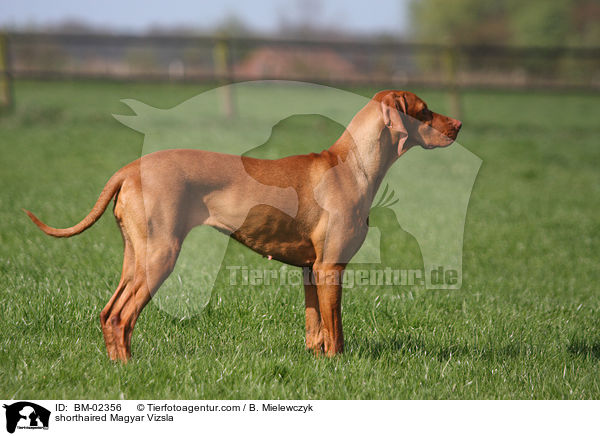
(274, 234)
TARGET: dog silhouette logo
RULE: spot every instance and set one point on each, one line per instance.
(425, 205)
(26, 415)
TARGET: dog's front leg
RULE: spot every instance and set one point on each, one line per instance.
(314, 334)
(329, 292)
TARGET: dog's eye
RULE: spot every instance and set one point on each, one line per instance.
(424, 112)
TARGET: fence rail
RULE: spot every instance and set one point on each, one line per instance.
(357, 62)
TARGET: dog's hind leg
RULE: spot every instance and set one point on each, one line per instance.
(149, 258)
(126, 277)
(152, 267)
(152, 245)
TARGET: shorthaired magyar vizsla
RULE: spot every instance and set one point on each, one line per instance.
(320, 227)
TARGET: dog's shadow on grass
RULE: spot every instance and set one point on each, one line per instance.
(584, 348)
(408, 344)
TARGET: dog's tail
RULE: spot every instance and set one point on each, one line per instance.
(110, 190)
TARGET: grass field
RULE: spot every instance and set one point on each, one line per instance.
(525, 323)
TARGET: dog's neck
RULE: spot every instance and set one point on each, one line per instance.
(365, 146)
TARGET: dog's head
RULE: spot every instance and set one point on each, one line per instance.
(410, 122)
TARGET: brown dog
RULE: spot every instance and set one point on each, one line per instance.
(310, 210)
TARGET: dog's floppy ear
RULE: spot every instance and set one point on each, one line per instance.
(391, 108)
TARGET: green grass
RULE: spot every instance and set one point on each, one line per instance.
(525, 323)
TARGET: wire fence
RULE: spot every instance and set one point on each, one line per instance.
(348, 62)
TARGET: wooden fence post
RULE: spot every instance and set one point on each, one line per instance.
(224, 75)
(451, 62)
(6, 90)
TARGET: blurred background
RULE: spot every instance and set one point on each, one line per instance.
(426, 43)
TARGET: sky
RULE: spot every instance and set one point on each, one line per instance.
(262, 16)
